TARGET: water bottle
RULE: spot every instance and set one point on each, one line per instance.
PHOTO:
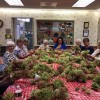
(18, 93)
(37, 77)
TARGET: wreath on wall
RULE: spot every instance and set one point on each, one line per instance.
(1, 23)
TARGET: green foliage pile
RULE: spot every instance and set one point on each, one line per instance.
(96, 83)
(55, 90)
(75, 68)
(43, 71)
(8, 96)
(77, 75)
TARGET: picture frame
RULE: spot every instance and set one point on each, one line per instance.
(8, 31)
(86, 24)
(52, 29)
(85, 33)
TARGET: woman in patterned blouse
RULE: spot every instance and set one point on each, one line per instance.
(9, 55)
(19, 49)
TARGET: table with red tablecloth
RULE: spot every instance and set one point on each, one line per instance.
(73, 95)
(27, 88)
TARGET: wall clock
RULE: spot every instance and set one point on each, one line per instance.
(1, 23)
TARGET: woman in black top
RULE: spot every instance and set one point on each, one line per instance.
(87, 46)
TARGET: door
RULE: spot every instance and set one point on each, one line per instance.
(23, 28)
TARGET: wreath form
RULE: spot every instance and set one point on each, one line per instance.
(1, 23)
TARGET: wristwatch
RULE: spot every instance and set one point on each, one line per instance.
(1, 23)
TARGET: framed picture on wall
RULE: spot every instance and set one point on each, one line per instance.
(8, 30)
(86, 24)
(85, 33)
(52, 29)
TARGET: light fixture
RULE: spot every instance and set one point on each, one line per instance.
(14, 2)
(83, 3)
(24, 19)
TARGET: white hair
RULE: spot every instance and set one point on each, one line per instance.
(78, 40)
(45, 41)
(10, 43)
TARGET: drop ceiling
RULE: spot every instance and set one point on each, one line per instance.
(60, 4)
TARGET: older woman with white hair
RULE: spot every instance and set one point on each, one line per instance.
(77, 48)
(9, 55)
(45, 45)
(78, 43)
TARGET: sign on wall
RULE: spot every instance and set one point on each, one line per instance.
(51, 29)
(8, 35)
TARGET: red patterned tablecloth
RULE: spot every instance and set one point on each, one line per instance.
(24, 85)
(73, 95)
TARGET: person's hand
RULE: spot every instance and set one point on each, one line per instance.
(30, 52)
(17, 61)
(59, 46)
(89, 57)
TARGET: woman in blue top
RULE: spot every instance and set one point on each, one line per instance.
(60, 44)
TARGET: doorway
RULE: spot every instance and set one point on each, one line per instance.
(23, 28)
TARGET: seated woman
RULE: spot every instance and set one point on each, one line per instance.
(78, 43)
(9, 57)
(45, 45)
(76, 49)
(96, 53)
(9, 54)
(19, 49)
(87, 46)
(60, 44)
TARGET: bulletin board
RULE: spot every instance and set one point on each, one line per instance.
(51, 29)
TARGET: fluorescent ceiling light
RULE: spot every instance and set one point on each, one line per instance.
(83, 3)
(14, 2)
(24, 19)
